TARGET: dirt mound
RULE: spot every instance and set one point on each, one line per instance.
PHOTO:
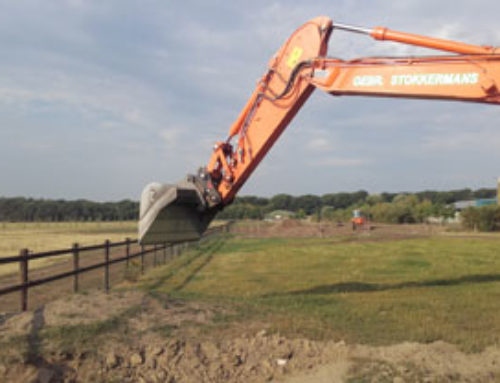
(133, 337)
(254, 358)
(290, 228)
(444, 361)
(293, 228)
(289, 223)
(146, 339)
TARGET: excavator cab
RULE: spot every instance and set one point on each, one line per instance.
(358, 219)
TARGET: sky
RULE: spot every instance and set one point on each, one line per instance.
(99, 98)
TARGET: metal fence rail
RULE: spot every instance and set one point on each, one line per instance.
(25, 256)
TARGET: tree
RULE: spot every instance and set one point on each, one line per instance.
(309, 203)
(328, 213)
(484, 218)
(280, 202)
(300, 214)
(423, 210)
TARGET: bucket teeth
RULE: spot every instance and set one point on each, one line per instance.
(173, 213)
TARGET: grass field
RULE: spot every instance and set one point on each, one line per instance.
(366, 291)
(205, 311)
(45, 236)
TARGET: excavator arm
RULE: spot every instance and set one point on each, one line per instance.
(173, 213)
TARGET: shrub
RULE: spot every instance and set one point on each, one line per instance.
(484, 218)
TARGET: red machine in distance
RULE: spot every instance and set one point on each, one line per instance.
(358, 219)
(174, 213)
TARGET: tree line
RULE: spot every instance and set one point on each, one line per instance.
(484, 218)
(384, 207)
(31, 210)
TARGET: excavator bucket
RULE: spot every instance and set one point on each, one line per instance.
(172, 213)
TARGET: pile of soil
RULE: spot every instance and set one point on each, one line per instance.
(292, 228)
(147, 339)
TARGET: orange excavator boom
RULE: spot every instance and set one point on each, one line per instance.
(183, 211)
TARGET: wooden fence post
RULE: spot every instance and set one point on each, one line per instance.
(23, 278)
(164, 253)
(76, 266)
(142, 259)
(154, 255)
(127, 252)
(106, 265)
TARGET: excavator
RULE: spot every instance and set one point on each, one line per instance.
(183, 211)
(358, 220)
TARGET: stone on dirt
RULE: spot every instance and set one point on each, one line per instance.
(136, 359)
(153, 351)
(281, 362)
(45, 375)
(29, 374)
(261, 333)
(111, 360)
(151, 363)
(161, 376)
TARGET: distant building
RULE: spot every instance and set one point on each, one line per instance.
(461, 205)
(279, 215)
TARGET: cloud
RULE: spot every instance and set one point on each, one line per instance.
(318, 145)
(339, 162)
(95, 96)
(78, 4)
(170, 137)
(126, 89)
(476, 140)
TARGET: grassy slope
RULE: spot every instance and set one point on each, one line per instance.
(369, 292)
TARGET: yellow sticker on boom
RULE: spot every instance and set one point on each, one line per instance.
(294, 57)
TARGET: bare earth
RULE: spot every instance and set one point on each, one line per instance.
(172, 341)
(300, 229)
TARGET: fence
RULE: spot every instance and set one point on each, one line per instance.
(159, 253)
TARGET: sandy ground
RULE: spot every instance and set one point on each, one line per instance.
(186, 349)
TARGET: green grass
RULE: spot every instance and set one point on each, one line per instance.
(383, 292)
